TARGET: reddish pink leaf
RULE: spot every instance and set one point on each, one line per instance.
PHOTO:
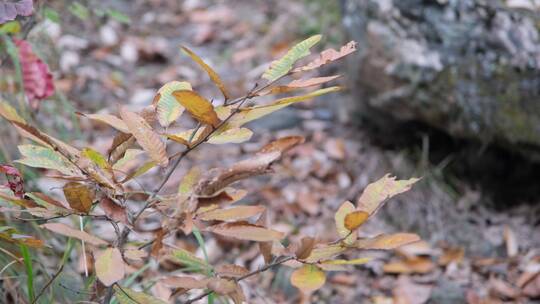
(38, 80)
(15, 180)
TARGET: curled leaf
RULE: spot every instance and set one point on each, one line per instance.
(375, 194)
(14, 178)
(167, 109)
(345, 208)
(307, 245)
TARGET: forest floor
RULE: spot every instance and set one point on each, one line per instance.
(472, 253)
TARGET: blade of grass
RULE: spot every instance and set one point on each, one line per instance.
(27, 258)
(202, 245)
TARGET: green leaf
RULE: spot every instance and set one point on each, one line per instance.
(78, 10)
(41, 157)
(128, 296)
(11, 27)
(282, 66)
(167, 108)
(189, 259)
(96, 158)
(51, 14)
(118, 16)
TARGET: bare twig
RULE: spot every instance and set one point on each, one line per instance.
(262, 269)
(42, 291)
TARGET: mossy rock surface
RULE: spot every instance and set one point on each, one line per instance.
(468, 67)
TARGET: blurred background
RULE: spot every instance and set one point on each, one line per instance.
(446, 90)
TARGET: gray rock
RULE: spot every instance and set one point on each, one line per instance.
(468, 67)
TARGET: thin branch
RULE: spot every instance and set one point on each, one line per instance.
(262, 269)
(42, 291)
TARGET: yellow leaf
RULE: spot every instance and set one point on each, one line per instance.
(324, 253)
(249, 114)
(213, 75)
(308, 278)
(345, 208)
(282, 66)
(246, 231)
(96, 158)
(378, 192)
(200, 108)
(387, 242)
(9, 112)
(167, 109)
(145, 136)
(230, 214)
(359, 261)
(236, 136)
(354, 219)
(79, 196)
(109, 266)
(70, 232)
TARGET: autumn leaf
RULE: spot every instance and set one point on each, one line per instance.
(109, 266)
(211, 73)
(345, 208)
(185, 282)
(358, 261)
(305, 248)
(282, 66)
(109, 119)
(9, 113)
(189, 180)
(328, 56)
(282, 144)
(145, 136)
(325, 252)
(355, 219)
(167, 109)
(387, 242)
(14, 178)
(221, 286)
(70, 232)
(96, 158)
(79, 196)
(200, 108)
(375, 194)
(231, 214)
(231, 271)
(42, 157)
(114, 211)
(246, 231)
(38, 80)
(308, 278)
(299, 84)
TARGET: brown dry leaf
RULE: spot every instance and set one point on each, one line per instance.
(70, 232)
(452, 255)
(378, 192)
(335, 148)
(145, 136)
(109, 119)
(219, 178)
(185, 282)
(135, 254)
(305, 248)
(299, 84)
(221, 286)
(265, 247)
(246, 231)
(502, 289)
(109, 266)
(408, 292)
(200, 108)
(282, 144)
(114, 211)
(387, 242)
(410, 265)
(231, 271)
(355, 219)
(231, 214)
(308, 278)
(532, 288)
(328, 56)
(121, 143)
(211, 73)
(79, 196)
(49, 200)
(158, 242)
